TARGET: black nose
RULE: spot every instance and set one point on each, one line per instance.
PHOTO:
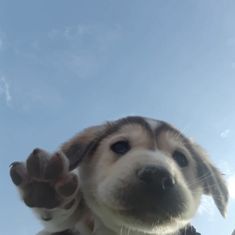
(156, 177)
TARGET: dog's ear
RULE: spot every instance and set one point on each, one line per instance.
(78, 147)
(211, 179)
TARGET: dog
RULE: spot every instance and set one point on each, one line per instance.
(132, 176)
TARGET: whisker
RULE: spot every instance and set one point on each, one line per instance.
(121, 229)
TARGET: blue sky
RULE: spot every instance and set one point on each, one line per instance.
(65, 65)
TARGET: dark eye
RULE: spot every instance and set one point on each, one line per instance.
(121, 147)
(180, 159)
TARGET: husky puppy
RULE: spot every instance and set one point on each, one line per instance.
(133, 176)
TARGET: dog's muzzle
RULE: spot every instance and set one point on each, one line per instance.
(156, 178)
(155, 194)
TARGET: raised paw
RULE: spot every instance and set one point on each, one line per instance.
(44, 180)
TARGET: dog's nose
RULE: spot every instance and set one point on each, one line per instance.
(156, 177)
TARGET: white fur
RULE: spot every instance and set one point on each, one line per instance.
(100, 176)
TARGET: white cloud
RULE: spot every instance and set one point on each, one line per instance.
(83, 66)
(53, 33)
(231, 41)
(2, 40)
(70, 32)
(85, 48)
(1, 43)
(35, 45)
(231, 186)
(226, 167)
(5, 90)
(224, 134)
(94, 32)
(228, 170)
(207, 207)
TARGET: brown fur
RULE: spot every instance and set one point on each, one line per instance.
(114, 197)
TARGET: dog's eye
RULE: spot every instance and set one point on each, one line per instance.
(180, 159)
(120, 147)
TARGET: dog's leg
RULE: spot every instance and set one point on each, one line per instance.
(47, 186)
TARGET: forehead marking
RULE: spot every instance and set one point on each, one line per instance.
(201, 163)
(117, 125)
(153, 123)
(165, 127)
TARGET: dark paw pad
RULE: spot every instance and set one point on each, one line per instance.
(41, 195)
(37, 162)
(44, 180)
(57, 166)
(68, 186)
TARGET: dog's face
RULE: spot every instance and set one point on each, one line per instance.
(144, 175)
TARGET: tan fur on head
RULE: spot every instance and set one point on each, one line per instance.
(133, 176)
(143, 189)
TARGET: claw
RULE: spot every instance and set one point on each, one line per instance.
(13, 164)
(15, 177)
(36, 151)
(18, 173)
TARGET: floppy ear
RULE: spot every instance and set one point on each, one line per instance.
(212, 180)
(77, 148)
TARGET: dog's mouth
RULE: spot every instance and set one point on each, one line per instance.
(147, 220)
(153, 200)
(153, 207)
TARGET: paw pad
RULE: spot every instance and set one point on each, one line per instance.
(37, 162)
(44, 180)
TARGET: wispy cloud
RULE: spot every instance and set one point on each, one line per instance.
(70, 32)
(233, 65)
(1, 44)
(2, 40)
(207, 207)
(86, 47)
(5, 90)
(228, 170)
(224, 134)
(231, 186)
(97, 32)
(231, 41)
(82, 50)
